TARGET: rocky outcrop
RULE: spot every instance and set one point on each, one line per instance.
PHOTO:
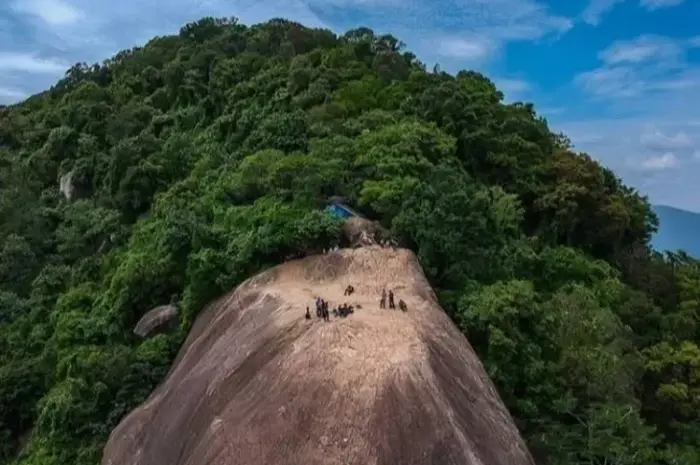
(156, 321)
(361, 232)
(67, 185)
(257, 383)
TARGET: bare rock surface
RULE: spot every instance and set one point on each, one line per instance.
(67, 185)
(362, 232)
(157, 320)
(258, 384)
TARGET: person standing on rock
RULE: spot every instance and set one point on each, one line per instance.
(308, 313)
(382, 303)
(391, 300)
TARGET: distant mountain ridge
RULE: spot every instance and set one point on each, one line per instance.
(678, 229)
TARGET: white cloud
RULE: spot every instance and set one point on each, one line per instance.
(52, 12)
(13, 61)
(657, 140)
(661, 162)
(694, 41)
(647, 64)
(513, 85)
(474, 30)
(59, 33)
(513, 89)
(506, 19)
(617, 141)
(596, 9)
(464, 49)
(70, 31)
(619, 82)
(643, 48)
(652, 5)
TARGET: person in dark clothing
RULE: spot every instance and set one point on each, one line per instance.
(382, 303)
(402, 305)
(391, 300)
(349, 290)
(308, 314)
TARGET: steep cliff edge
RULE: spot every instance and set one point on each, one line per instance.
(258, 383)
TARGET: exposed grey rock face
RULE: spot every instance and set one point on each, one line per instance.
(67, 186)
(361, 232)
(157, 320)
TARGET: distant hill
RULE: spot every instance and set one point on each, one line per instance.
(678, 229)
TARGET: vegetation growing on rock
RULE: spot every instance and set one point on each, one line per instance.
(204, 157)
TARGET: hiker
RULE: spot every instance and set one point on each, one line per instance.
(382, 303)
(391, 300)
(349, 290)
(335, 312)
(402, 305)
(308, 313)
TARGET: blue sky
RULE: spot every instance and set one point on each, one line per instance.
(620, 77)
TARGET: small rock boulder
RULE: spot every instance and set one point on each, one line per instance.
(156, 321)
(361, 232)
(67, 186)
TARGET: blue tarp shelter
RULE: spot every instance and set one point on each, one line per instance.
(341, 210)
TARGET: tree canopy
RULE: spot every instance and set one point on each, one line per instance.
(173, 171)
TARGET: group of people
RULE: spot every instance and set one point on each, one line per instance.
(382, 301)
(343, 310)
(322, 309)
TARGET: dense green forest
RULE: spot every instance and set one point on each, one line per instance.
(201, 158)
